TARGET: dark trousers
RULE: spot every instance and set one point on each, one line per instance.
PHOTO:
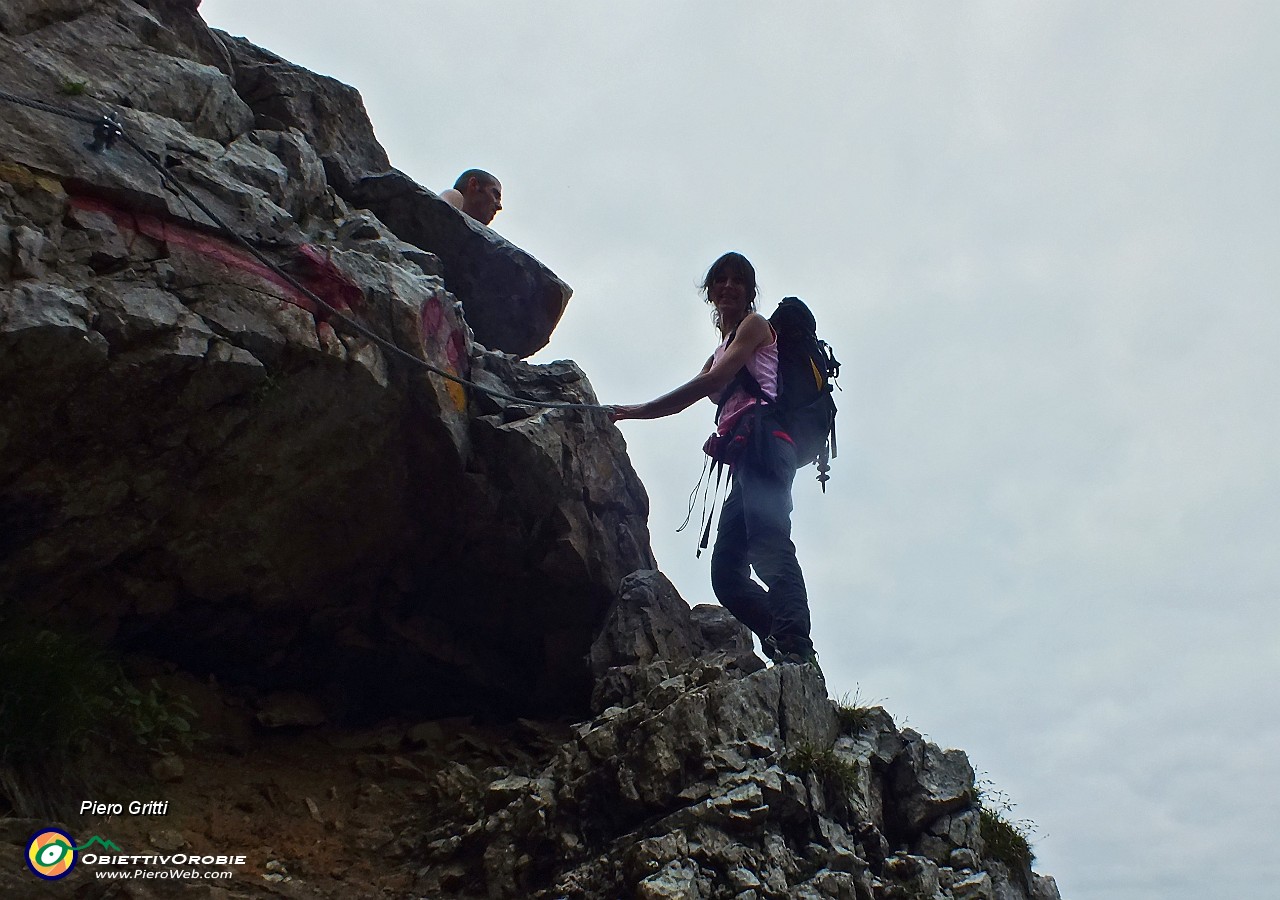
(755, 532)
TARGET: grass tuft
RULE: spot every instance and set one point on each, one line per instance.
(1005, 841)
(1004, 838)
(852, 713)
(836, 775)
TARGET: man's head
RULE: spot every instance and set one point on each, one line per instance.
(481, 194)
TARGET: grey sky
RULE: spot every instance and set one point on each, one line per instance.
(1042, 238)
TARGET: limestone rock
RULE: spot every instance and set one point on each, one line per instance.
(21, 16)
(329, 114)
(649, 622)
(1044, 887)
(512, 301)
(928, 782)
(685, 790)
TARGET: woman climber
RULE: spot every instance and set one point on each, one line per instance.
(755, 522)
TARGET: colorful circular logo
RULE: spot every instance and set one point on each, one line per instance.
(51, 854)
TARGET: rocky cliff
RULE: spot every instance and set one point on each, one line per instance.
(203, 465)
(195, 458)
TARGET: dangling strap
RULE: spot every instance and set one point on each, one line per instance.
(693, 496)
(708, 515)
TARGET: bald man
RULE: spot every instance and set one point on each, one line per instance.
(476, 193)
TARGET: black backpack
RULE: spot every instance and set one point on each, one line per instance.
(807, 370)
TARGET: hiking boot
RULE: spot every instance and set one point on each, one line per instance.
(801, 659)
(771, 649)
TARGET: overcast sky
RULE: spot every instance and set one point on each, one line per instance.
(1044, 240)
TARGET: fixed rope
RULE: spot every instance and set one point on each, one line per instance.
(108, 129)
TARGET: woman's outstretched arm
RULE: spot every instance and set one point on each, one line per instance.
(713, 378)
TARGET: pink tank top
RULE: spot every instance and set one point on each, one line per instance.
(763, 366)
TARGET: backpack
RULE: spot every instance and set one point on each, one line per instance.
(807, 370)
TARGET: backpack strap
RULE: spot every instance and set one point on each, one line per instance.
(744, 379)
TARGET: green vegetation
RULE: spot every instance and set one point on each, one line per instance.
(54, 694)
(73, 88)
(159, 719)
(852, 713)
(1005, 841)
(63, 701)
(1004, 838)
(837, 776)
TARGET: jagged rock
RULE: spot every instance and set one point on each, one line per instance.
(512, 301)
(721, 631)
(684, 790)
(976, 887)
(1044, 887)
(182, 110)
(649, 622)
(928, 782)
(328, 113)
(677, 881)
(701, 751)
(949, 834)
(21, 16)
(913, 876)
(1008, 884)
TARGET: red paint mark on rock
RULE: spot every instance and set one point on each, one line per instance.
(432, 315)
(313, 267)
(456, 350)
(317, 271)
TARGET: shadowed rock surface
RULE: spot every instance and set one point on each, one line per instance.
(196, 458)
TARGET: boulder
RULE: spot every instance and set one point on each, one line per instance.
(928, 783)
(511, 300)
(649, 622)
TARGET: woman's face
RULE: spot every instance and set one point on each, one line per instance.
(730, 295)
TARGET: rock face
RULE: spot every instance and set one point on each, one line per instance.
(513, 302)
(196, 458)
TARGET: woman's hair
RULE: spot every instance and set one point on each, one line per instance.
(732, 263)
